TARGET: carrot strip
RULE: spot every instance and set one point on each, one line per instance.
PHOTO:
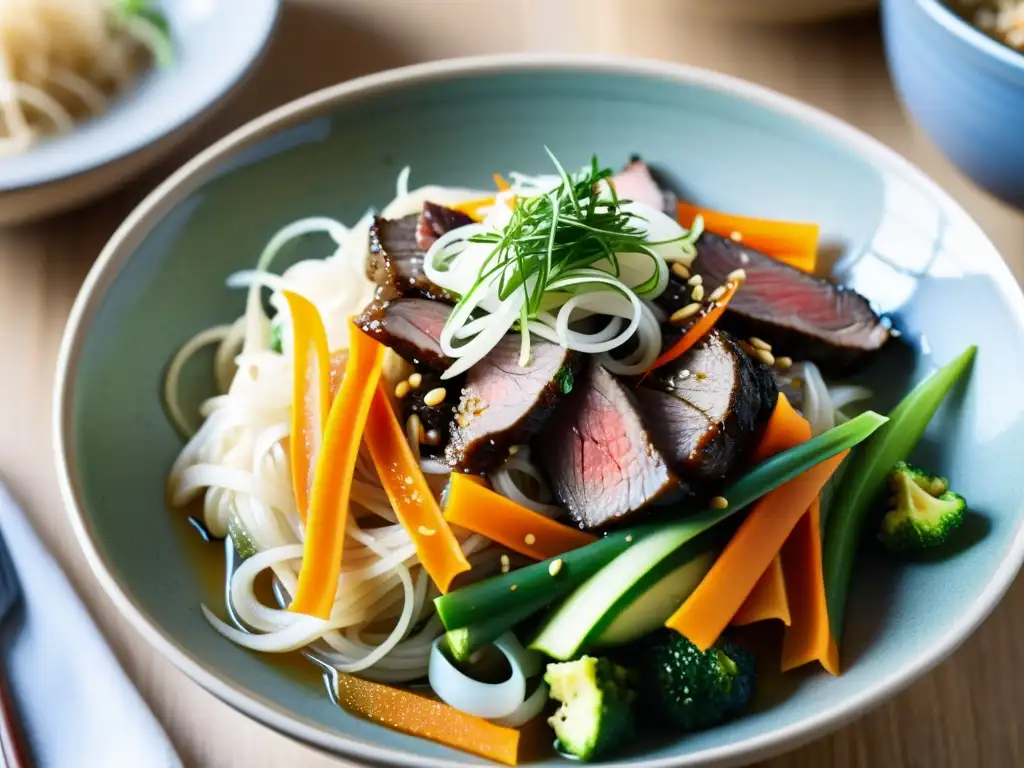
(472, 208)
(418, 715)
(410, 495)
(332, 478)
(768, 600)
(310, 395)
(500, 519)
(792, 243)
(809, 637)
(699, 329)
(500, 183)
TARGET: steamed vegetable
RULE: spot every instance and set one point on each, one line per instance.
(690, 689)
(864, 479)
(768, 599)
(596, 715)
(534, 586)
(924, 512)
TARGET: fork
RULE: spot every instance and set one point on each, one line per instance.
(12, 746)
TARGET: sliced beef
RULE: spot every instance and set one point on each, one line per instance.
(397, 248)
(706, 410)
(504, 404)
(636, 182)
(601, 460)
(411, 327)
(802, 316)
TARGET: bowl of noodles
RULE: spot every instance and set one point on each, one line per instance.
(92, 92)
(508, 410)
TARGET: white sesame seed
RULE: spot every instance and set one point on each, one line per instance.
(680, 271)
(513, 450)
(719, 502)
(782, 363)
(697, 294)
(757, 343)
(744, 258)
(555, 567)
(736, 236)
(681, 314)
(426, 531)
(401, 389)
(700, 375)
(530, 539)
(737, 275)
(505, 564)
(749, 350)
(513, 588)
(718, 293)
(435, 397)
(695, 280)
(415, 380)
(765, 357)
(629, 539)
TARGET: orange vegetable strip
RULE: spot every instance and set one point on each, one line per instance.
(809, 637)
(472, 208)
(481, 510)
(768, 600)
(792, 243)
(500, 183)
(698, 330)
(332, 479)
(427, 718)
(310, 394)
(710, 608)
(410, 495)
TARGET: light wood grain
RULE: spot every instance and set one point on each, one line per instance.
(965, 713)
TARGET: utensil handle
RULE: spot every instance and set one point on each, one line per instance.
(11, 744)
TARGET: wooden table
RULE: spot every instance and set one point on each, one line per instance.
(966, 713)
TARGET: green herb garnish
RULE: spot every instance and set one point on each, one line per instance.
(565, 380)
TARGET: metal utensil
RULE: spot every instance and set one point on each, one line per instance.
(12, 746)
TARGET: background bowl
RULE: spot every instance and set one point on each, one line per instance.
(899, 239)
(965, 89)
(215, 44)
(776, 10)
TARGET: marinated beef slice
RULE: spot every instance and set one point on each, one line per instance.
(636, 182)
(411, 327)
(705, 411)
(397, 249)
(802, 316)
(504, 404)
(600, 457)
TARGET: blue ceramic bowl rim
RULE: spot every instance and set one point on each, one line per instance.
(141, 221)
(959, 27)
(113, 151)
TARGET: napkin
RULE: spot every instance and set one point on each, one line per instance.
(75, 705)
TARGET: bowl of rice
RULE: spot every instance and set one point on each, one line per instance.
(959, 69)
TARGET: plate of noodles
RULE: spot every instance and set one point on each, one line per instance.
(93, 91)
(523, 409)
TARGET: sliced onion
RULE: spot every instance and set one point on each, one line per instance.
(528, 710)
(487, 700)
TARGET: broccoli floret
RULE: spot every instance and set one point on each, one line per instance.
(924, 511)
(690, 689)
(596, 713)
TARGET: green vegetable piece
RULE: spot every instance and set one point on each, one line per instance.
(596, 714)
(153, 29)
(512, 594)
(565, 379)
(276, 340)
(240, 537)
(689, 689)
(865, 475)
(464, 640)
(925, 512)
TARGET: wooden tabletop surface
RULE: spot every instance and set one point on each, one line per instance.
(965, 713)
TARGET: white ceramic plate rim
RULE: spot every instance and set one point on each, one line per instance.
(120, 247)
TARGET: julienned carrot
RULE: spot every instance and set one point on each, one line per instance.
(793, 243)
(500, 519)
(699, 329)
(500, 183)
(472, 208)
(768, 600)
(809, 637)
(410, 495)
(332, 479)
(418, 715)
(310, 394)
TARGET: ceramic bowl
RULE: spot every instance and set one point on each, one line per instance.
(776, 11)
(215, 44)
(724, 143)
(965, 89)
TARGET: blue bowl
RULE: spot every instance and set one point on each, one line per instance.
(726, 144)
(964, 88)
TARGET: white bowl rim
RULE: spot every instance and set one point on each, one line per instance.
(122, 244)
(114, 151)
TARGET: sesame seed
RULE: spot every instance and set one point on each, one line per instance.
(408, 480)
(505, 564)
(433, 437)
(736, 236)
(530, 539)
(757, 343)
(718, 293)
(681, 314)
(555, 567)
(747, 349)
(765, 357)
(513, 588)
(513, 450)
(629, 538)
(415, 380)
(426, 531)
(744, 258)
(700, 375)
(895, 332)
(782, 363)
(435, 397)
(697, 293)
(695, 280)
(401, 389)
(680, 271)
(737, 275)
(719, 502)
